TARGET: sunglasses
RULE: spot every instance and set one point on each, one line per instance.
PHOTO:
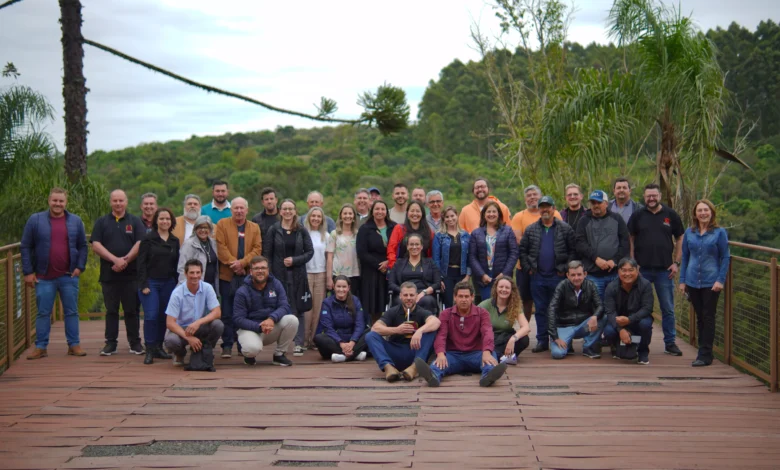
(462, 323)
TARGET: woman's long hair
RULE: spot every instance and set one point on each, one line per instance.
(295, 223)
(340, 222)
(443, 226)
(424, 230)
(323, 230)
(695, 220)
(350, 303)
(500, 222)
(514, 306)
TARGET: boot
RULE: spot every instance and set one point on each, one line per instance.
(410, 373)
(159, 352)
(150, 354)
(391, 373)
(76, 351)
(38, 353)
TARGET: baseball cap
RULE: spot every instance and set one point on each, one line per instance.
(374, 189)
(546, 200)
(598, 196)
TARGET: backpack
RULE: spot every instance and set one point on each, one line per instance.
(202, 360)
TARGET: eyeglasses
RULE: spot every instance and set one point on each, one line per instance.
(260, 268)
(436, 202)
(462, 323)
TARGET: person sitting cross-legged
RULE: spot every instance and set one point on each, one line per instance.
(343, 325)
(410, 332)
(262, 315)
(464, 343)
(193, 314)
(628, 305)
(575, 312)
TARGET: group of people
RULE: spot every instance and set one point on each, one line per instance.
(395, 281)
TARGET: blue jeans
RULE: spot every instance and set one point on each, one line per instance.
(664, 289)
(228, 334)
(644, 329)
(602, 282)
(459, 362)
(542, 290)
(45, 293)
(154, 304)
(399, 355)
(484, 291)
(568, 333)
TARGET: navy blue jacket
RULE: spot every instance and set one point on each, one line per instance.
(504, 257)
(252, 306)
(36, 243)
(336, 321)
(441, 252)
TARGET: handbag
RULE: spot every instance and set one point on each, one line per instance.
(202, 360)
(628, 351)
(304, 302)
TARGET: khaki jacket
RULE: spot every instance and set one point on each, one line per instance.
(227, 245)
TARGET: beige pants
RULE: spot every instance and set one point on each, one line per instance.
(283, 333)
(317, 283)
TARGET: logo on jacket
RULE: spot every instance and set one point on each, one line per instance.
(129, 229)
(272, 293)
(667, 222)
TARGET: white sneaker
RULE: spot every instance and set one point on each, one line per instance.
(362, 356)
(510, 360)
(338, 357)
(178, 360)
(298, 351)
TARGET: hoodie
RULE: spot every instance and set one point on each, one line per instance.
(469, 215)
(251, 306)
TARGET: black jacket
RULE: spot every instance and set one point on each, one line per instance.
(640, 301)
(531, 242)
(370, 247)
(273, 249)
(157, 258)
(431, 275)
(601, 237)
(565, 310)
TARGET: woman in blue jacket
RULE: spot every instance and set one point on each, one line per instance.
(492, 249)
(451, 253)
(705, 263)
(342, 325)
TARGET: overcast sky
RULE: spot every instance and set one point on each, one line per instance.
(287, 54)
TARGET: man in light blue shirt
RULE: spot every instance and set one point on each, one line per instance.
(219, 207)
(193, 315)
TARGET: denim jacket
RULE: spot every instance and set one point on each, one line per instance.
(705, 258)
(36, 243)
(441, 252)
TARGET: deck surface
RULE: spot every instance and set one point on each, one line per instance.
(571, 414)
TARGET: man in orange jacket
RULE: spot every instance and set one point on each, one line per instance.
(469, 215)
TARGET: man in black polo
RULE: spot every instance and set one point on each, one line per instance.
(270, 213)
(116, 238)
(656, 233)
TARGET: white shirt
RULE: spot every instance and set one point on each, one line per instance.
(188, 226)
(317, 262)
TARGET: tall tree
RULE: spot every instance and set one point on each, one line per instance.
(74, 90)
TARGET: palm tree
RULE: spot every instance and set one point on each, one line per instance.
(676, 92)
(23, 111)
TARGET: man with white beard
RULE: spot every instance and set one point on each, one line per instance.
(186, 223)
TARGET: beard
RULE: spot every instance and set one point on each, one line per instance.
(220, 199)
(192, 214)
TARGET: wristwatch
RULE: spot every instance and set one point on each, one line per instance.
(677, 263)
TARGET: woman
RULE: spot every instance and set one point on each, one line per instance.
(421, 271)
(415, 223)
(451, 253)
(492, 249)
(343, 325)
(341, 253)
(202, 247)
(158, 258)
(372, 250)
(287, 245)
(315, 271)
(510, 327)
(705, 263)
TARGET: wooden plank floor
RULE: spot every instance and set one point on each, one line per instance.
(571, 414)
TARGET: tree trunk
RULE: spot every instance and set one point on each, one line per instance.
(668, 163)
(74, 90)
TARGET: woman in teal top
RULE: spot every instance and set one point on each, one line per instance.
(510, 327)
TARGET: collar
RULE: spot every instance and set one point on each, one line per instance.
(457, 312)
(187, 290)
(214, 206)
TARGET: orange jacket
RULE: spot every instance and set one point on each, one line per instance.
(469, 215)
(227, 245)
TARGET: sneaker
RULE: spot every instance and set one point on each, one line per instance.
(281, 360)
(250, 361)
(426, 373)
(227, 352)
(613, 351)
(108, 349)
(178, 360)
(362, 356)
(338, 357)
(511, 360)
(298, 351)
(137, 349)
(643, 359)
(591, 354)
(672, 349)
(494, 374)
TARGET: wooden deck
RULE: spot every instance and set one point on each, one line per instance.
(103, 412)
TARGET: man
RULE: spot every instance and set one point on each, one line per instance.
(238, 241)
(575, 312)
(219, 207)
(54, 254)
(263, 316)
(574, 208)
(401, 199)
(545, 251)
(186, 223)
(314, 199)
(656, 233)
(375, 194)
(464, 343)
(362, 204)
(116, 238)
(520, 221)
(435, 202)
(469, 215)
(628, 305)
(623, 205)
(410, 332)
(148, 209)
(193, 314)
(602, 241)
(270, 214)
(418, 194)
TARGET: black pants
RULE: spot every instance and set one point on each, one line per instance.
(501, 340)
(126, 293)
(705, 304)
(327, 346)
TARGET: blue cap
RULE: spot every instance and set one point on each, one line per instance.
(598, 196)
(374, 189)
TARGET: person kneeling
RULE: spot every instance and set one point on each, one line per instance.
(262, 315)
(510, 327)
(411, 331)
(343, 325)
(187, 319)
(628, 305)
(464, 342)
(575, 312)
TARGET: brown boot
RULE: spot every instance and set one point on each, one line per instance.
(37, 354)
(76, 351)
(410, 373)
(391, 373)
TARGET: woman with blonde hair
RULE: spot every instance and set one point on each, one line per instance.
(315, 222)
(341, 252)
(510, 327)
